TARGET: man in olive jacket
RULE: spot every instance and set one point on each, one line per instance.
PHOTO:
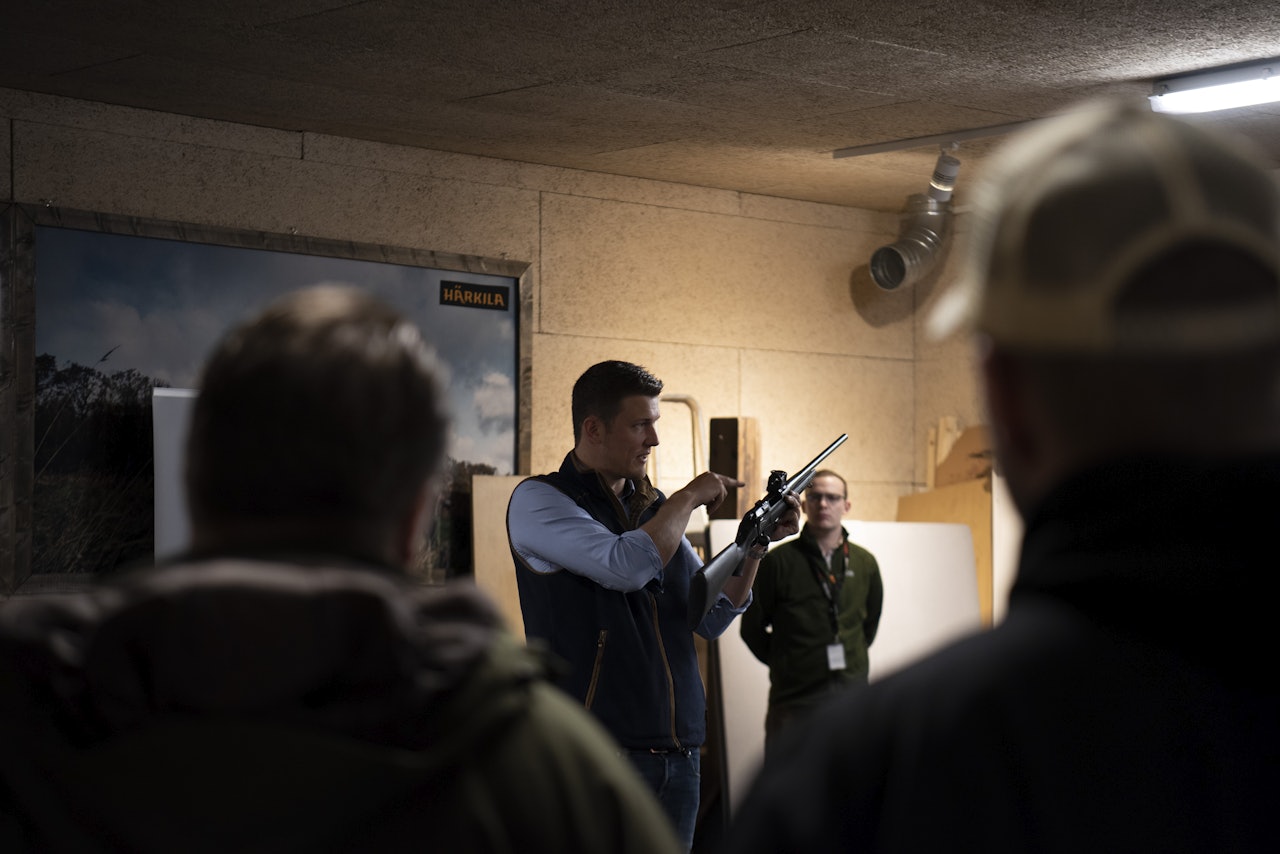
(816, 608)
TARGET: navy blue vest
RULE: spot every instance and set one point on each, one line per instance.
(631, 659)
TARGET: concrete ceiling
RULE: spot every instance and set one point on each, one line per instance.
(749, 95)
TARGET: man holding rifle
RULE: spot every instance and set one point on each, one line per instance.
(603, 569)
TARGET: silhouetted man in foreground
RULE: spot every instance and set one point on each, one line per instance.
(285, 686)
(1124, 287)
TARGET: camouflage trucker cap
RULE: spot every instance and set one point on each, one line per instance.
(1073, 206)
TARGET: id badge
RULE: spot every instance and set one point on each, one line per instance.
(835, 656)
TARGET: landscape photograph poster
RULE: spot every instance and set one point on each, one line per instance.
(118, 316)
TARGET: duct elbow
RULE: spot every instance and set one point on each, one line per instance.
(916, 252)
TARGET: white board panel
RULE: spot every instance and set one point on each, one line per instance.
(170, 420)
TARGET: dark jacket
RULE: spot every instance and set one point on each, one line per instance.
(231, 705)
(1124, 703)
(789, 623)
(630, 656)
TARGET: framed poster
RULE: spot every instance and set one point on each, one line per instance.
(100, 311)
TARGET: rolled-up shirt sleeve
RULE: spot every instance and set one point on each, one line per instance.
(551, 532)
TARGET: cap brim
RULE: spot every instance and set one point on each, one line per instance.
(953, 311)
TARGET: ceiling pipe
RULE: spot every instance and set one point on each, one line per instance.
(925, 230)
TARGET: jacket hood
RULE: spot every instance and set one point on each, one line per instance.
(354, 650)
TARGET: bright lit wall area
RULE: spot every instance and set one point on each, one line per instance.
(754, 306)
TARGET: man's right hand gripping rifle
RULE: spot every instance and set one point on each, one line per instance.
(773, 517)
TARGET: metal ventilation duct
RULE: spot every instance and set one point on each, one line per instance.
(911, 258)
(926, 227)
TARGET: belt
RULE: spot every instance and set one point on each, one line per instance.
(665, 751)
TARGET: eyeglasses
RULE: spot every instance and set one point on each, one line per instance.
(824, 497)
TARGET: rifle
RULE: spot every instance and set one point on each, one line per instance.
(756, 526)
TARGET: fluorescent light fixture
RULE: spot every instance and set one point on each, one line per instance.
(1221, 89)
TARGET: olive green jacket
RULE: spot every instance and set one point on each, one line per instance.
(788, 626)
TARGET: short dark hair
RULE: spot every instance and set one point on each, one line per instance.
(603, 386)
(829, 473)
(325, 406)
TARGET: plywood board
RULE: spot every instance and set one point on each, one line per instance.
(494, 571)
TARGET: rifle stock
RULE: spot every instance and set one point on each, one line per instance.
(715, 574)
(757, 524)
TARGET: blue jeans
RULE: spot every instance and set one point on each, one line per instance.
(676, 778)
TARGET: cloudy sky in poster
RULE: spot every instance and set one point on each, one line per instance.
(163, 304)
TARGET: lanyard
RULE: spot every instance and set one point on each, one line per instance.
(830, 582)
